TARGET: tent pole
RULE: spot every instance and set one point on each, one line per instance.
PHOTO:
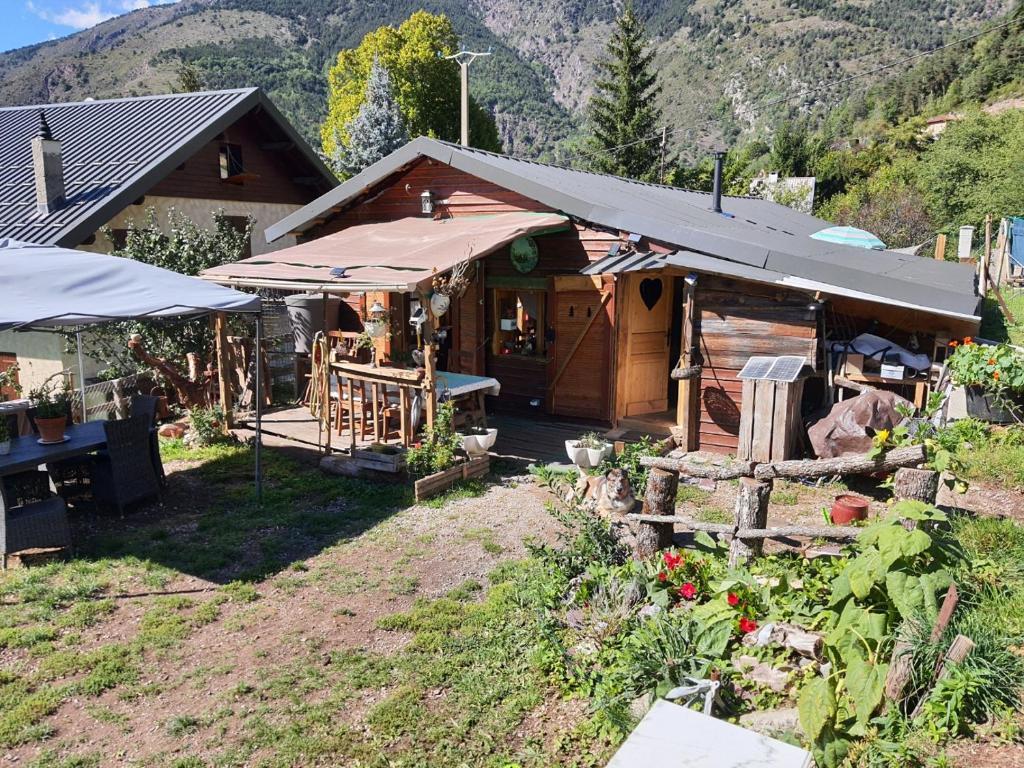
(259, 405)
(81, 374)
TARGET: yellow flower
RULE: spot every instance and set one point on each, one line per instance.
(882, 435)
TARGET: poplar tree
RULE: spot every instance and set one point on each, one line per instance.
(622, 110)
(377, 130)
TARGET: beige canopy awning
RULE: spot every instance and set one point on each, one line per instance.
(387, 256)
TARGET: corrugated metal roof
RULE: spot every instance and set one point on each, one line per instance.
(113, 151)
(753, 232)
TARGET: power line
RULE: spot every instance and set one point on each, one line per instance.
(783, 99)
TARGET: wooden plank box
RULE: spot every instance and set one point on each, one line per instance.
(432, 485)
(392, 463)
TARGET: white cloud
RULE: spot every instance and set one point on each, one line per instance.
(88, 13)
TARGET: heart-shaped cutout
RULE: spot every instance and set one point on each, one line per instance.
(650, 291)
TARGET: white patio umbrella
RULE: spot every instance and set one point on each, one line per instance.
(45, 287)
(858, 238)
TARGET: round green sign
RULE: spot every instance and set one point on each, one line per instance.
(524, 254)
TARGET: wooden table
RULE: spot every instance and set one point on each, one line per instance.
(26, 452)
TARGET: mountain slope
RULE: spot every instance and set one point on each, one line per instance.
(718, 59)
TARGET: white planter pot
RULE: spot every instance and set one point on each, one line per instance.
(587, 458)
(5, 447)
(477, 445)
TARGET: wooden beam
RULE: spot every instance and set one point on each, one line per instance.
(223, 370)
(838, 532)
(692, 468)
(687, 416)
(940, 248)
(842, 465)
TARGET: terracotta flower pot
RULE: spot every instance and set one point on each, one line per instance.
(847, 508)
(51, 430)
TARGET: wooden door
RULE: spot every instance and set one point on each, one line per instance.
(644, 355)
(581, 379)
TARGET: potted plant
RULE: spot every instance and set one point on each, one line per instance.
(5, 436)
(478, 440)
(52, 404)
(848, 508)
(9, 380)
(992, 377)
(589, 450)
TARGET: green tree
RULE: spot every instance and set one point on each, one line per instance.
(190, 78)
(622, 110)
(181, 246)
(378, 129)
(792, 151)
(975, 169)
(426, 85)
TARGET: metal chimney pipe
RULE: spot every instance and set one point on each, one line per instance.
(716, 190)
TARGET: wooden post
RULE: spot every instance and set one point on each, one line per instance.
(940, 248)
(751, 512)
(220, 333)
(659, 499)
(916, 484)
(429, 392)
(404, 415)
(350, 393)
(986, 257)
(689, 389)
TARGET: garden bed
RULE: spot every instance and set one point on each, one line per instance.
(439, 482)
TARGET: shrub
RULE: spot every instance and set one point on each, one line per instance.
(438, 449)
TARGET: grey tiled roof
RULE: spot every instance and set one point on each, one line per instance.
(113, 151)
(753, 233)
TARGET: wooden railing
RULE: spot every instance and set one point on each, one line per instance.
(656, 522)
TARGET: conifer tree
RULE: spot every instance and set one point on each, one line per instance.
(623, 110)
(377, 130)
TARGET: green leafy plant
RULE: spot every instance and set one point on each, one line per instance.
(205, 427)
(629, 460)
(995, 368)
(9, 379)
(591, 440)
(52, 398)
(438, 450)
(895, 576)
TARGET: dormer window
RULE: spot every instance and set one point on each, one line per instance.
(231, 166)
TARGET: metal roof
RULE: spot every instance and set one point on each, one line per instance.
(753, 232)
(114, 151)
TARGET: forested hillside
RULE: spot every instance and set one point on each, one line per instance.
(718, 60)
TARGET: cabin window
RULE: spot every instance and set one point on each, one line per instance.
(518, 322)
(231, 161)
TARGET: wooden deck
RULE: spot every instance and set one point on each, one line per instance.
(533, 439)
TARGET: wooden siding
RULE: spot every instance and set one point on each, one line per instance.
(561, 253)
(269, 174)
(738, 320)
(583, 320)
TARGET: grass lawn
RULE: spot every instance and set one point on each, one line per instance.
(298, 633)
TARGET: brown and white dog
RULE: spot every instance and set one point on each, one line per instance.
(609, 494)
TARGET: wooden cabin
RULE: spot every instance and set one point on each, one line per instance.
(586, 320)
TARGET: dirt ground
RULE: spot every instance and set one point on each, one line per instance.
(330, 602)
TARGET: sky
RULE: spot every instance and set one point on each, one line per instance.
(35, 21)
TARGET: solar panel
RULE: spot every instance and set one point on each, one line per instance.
(756, 368)
(785, 368)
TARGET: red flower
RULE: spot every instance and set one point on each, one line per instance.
(672, 561)
(733, 599)
(968, 340)
(688, 590)
(995, 375)
(662, 576)
(991, 361)
(747, 625)
(954, 343)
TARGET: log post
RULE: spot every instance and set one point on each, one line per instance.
(916, 484)
(429, 384)
(659, 499)
(223, 369)
(751, 512)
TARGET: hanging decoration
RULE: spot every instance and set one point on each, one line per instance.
(523, 254)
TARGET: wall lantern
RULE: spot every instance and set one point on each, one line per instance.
(427, 202)
(376, 322)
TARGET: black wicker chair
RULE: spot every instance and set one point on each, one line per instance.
(146, 406)
(124, 473)
(28, 486)
(36, 525)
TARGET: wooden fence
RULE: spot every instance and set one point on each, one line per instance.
(656, 522)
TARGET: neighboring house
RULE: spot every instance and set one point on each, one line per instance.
(934, 126)
(586, 317)
(69, 170)
(794, 191)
